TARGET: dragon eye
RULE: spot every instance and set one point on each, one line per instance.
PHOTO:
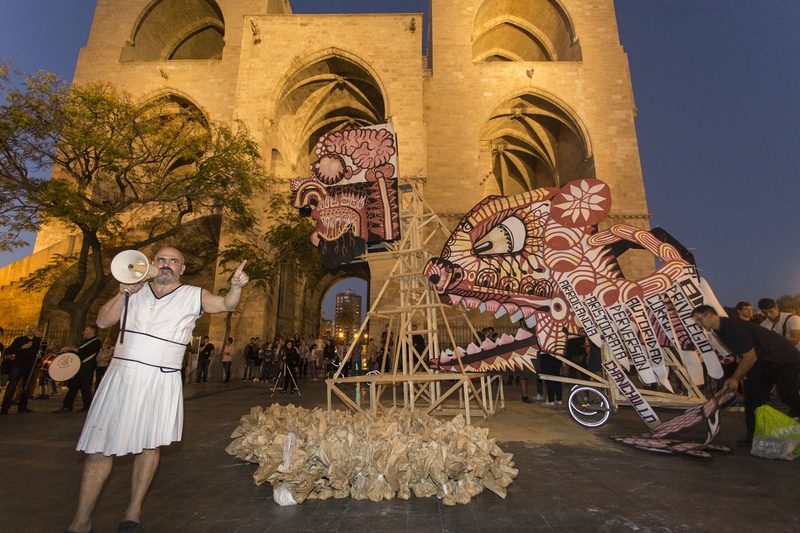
(508, 237)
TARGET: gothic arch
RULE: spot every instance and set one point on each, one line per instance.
(331, 90)
(531, 140)
(177, 30)
(178, 96)
(533, 30)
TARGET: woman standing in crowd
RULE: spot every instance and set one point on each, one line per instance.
(303, 352)
(227, 359)
(266, 363)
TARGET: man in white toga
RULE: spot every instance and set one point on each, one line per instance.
(138, 406)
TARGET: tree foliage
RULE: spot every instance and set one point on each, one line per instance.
(789, 304)
(121, 173)
(284, 242)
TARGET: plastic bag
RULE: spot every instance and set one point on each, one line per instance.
(776, 436)
(282, 495)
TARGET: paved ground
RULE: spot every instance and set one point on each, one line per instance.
(570, 479)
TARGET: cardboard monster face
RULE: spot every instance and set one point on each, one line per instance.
(352, 195)
(538, 257)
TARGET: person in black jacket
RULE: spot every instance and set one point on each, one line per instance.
(87, 353)
(203, 360)
(291, 361)
(22, 354)
(767, 360)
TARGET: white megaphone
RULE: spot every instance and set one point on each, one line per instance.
(132, 266)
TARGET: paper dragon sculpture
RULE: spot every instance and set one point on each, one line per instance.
(538, 257)
(352, 195)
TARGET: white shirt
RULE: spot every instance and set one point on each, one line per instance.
(777, 327)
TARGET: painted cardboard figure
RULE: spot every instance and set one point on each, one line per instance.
(352, 195)
(538, 256)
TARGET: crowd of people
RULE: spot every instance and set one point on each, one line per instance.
(275, 361)
(261, 362)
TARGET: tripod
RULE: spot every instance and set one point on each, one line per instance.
(285, 373)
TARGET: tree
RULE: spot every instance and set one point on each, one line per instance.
(284, 242)
(789, 304)
(283, 245)
(121, 174)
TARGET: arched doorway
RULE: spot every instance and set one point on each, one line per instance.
(344, 307)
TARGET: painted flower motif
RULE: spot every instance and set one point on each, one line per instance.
(582, 203)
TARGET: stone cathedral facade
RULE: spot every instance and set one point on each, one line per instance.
(491, 97)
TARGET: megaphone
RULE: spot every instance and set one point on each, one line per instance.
(132, 266)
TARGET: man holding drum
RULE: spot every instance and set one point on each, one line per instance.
(139, 404)
(87, 353)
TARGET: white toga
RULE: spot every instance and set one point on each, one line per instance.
(139, 403)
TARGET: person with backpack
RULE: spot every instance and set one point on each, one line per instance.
(786, 325)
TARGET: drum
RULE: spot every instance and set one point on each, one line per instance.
(61, 367)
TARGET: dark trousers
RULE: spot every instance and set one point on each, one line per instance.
(81, 382)
(265, 370)
(226, 366)
(99, 372)
(552, 366)
(249, 369)
(202, 370)
(758, 385)
(19, 374)
(288, 378)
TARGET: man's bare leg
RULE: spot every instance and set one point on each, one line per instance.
(144, 469)
(96, 468)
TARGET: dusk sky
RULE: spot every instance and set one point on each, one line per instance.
(716, 85)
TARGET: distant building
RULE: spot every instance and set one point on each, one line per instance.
(347, 316)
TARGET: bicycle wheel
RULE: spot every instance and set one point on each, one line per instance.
(589, 407)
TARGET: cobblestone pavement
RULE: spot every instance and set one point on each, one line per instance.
(570, 478)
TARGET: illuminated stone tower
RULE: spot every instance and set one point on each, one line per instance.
(499, 97)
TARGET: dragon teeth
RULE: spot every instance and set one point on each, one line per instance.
(511, 308)
(505, 339)
(522, 334)
(473, 349)
(487, 344)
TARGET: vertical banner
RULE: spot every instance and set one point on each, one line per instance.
(606, 327)
(685, 296)
(652, 347)
(628, 335)
(581, 312)
(629, 390)
(658, 307)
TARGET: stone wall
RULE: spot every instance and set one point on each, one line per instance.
(439, 113)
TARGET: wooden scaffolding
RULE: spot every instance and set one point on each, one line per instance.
(411, 309)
